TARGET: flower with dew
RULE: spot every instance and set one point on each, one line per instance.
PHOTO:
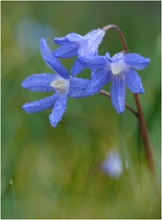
(120, 70)
(74, 44)
(113, 165)
(61, 84)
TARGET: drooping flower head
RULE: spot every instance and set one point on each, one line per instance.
(120, 70)
(76, 45)
(60, 83)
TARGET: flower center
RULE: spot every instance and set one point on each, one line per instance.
(61, 85)
(118, 67)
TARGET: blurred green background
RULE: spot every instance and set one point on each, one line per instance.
(57, 173)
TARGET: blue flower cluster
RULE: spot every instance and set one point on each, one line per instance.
(119, 69)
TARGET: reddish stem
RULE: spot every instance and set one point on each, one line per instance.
(145, 135)
(140, 115)
(105, 93)
(120, 34)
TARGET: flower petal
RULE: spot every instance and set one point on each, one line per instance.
(41, 104)
(69, 38)
(39, 82)
(56, 66)
(87, 49)
(74, 44)
(58, 110)
(78, 87)
(97, 33)
(133, 81)
(100, 79)
(44, 48)
(107, 55)
(60, 40)
(136, 61)
(118, 94)
(92, 42)
(77, 67)
(66, 51)
(93, 62)
(74, 37)
(95, 37)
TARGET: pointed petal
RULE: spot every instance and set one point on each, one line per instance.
(91, 43)
(69, 38)
(77, 67)
(133, 82)
(66, 51)
(93, 35)
(74, 37)
(118, 94)
(60, 40)
(93, 62)
(100, 79)
(107, 55)
(78, 87)
(58, 110)
(136, 61)
(56, 66)
(41, 104)
(94, 38)
(44, 48)
(86, 49)
(39, 82)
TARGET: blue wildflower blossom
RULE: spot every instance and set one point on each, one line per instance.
(60, 83)
(76, 45)
(113, 165)
(120, 69)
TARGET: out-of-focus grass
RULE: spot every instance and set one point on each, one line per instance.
(56, 173)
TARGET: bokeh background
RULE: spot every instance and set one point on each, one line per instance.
(56, 173)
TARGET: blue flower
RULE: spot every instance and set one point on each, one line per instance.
(76, 45)
(113, 165)
(120, 69)
(60, 83)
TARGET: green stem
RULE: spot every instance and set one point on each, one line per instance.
(13, 193)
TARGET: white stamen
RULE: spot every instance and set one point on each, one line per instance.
(118, 67)
(61, 85)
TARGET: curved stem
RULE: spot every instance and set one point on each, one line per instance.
(120, 34)
(105, 93)
(139, 114)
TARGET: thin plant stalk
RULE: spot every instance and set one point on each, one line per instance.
(139, 113)
(145, 135)
(105, 93)
(13, 193)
